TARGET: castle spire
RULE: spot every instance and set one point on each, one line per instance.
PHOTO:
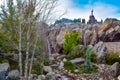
(92, 12)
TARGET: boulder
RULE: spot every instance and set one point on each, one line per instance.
(41, 77)
(101, 51)
(13, 75)
(64, 59)
(77, 60)
(61, 66)
(4, 69)
(51, 76)
(115, 69)
(47, 69)
(33, 77)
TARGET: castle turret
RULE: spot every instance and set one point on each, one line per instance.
(92, 19)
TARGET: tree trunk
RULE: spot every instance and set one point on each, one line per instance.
(32, 58)
(27, 51)
(20, 54)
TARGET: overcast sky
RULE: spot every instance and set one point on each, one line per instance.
(82, 8)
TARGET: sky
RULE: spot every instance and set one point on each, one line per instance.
(82, 8)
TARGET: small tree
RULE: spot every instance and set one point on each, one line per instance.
(70, 40)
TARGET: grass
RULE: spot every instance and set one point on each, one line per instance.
(80, 67)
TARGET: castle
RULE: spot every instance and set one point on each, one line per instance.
(92, 19)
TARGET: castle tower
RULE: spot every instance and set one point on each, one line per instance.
(92, 19)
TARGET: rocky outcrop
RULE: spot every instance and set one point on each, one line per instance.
(110, 30)
(101, 51)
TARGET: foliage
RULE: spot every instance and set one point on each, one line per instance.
(69, 66)
(93, 57)
(88, 60)
(2, 60)
(36, 67)
(4, 44)
(70, 40)
(13, 64)
(78, 51)
(82, 69)
(112, 57)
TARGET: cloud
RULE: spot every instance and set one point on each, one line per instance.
(101, 10)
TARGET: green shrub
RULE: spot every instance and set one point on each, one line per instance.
(93, 57)
(112, 58)
(2, 60)
(78, 51)
(69, 66)
(36, 67)
(82, 69)
(70, 40)
(4, 45)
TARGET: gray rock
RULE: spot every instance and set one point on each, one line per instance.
(47, 69)
(101, 51)
(4, 69)
(51, 76)
(13, 75)
(77, 60)
(61, 65)
(115, 69)
(51, 58)
(41, 77)
(33, 77)
(64, 60)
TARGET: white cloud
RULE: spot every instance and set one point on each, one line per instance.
(101, 10)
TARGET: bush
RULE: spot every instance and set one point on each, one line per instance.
(3, 60)
(36, 67)
(70, 40)
(112, 58)
(78, 51)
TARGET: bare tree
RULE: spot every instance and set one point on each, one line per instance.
(23, 16)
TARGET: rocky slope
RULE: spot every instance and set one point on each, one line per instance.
(109, 31)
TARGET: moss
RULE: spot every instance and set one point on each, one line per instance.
(112, 58)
